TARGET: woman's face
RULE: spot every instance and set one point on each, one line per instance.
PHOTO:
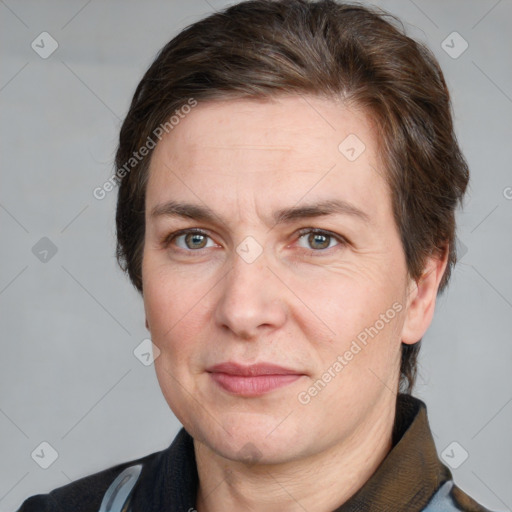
(256, 285)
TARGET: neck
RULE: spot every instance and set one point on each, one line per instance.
(318, 483)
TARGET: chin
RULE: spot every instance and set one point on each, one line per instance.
(252, 438)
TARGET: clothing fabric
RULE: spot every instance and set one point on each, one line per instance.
(410, 479)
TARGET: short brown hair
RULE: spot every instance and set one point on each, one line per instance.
(266, 48)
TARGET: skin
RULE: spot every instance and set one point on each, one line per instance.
(299, 304)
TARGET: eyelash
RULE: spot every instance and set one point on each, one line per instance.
(168, 239)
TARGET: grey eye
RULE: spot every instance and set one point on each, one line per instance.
(193, 240)
(318, 241)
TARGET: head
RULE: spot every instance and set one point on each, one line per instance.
(275, 105)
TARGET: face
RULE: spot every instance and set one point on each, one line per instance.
(249, 260)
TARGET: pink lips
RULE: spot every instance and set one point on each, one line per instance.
(253, 380)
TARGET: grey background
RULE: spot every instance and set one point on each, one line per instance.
(68, 375)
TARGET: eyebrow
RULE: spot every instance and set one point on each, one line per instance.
(283, 216)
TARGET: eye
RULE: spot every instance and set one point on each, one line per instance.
(191, 239)
(320, 240)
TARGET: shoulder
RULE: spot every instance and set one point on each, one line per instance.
(466, 502)
(450, 498)
(85, 494)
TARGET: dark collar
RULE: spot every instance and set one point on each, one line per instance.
(405, 481)
(411, 472)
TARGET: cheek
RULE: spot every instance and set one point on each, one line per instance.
(358, 316)
(348, 301)
(167, 298)
(177, 310)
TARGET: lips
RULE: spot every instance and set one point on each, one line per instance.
(252, 380)
(252, 370)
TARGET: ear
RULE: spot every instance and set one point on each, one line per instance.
(421, 299)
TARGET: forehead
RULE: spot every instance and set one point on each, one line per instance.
(287, 148)
(283, 124)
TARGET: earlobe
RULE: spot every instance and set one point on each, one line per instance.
(421, 300)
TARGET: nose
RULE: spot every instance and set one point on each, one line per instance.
(252, 299)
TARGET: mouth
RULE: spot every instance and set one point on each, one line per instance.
(253, 380)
